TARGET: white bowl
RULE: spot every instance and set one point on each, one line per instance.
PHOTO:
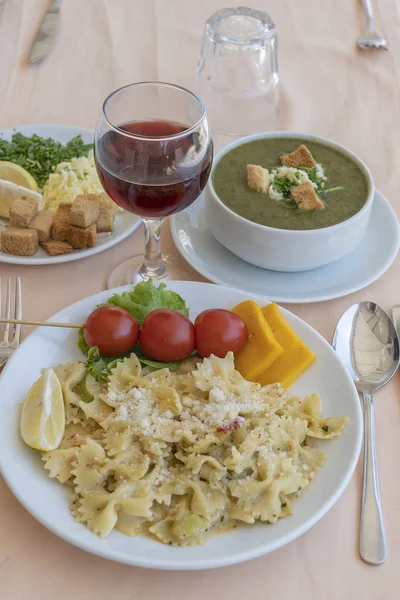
(285, 249)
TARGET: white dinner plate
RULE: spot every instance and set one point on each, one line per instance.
(47, 500)
(351, 273)
(125, 222)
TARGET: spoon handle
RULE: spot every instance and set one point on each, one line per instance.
(372, 531)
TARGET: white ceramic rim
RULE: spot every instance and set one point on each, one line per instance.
(215, 563)
(300, 136)
(77, 255)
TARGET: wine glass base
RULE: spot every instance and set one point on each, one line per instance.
(129, 272)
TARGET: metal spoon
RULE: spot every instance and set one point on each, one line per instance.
(367, 344)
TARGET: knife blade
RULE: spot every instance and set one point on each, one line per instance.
(396, 318)
(46, 34)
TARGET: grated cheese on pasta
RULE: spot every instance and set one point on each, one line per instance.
(177, 453)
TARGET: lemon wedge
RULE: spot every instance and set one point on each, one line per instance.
(9, 171)
(11, 191)
(42, 418)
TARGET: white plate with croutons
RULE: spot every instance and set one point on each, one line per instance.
(31, 236)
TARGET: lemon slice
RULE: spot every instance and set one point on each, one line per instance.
(11, 191)
(42, 418)
(9, 171)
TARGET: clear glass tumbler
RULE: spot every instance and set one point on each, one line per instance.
(238, 71)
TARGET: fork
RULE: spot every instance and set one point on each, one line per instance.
(7, 347)
(371, 40)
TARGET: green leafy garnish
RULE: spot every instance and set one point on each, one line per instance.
(283, 185)
(146, 297)
(82, 345)
(100, 366)
(313, 176)
(154, 364)
(324, 193)
(39, 156)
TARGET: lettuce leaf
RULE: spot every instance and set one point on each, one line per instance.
(144, 298)
(82, 345)
(100, 366)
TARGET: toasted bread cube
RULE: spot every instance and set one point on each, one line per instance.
(22, 211)
(85, 210)
(106, 202)
(107, 210)
(105, 222)
(56, 248)
(82, 237)
(306, 198)
(60, 227)
(22, 242)
(42, 222)
(302, 156)
(258, 178)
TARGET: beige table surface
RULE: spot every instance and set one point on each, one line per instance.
(328, 88)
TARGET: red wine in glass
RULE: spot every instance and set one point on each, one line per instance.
(153, 178)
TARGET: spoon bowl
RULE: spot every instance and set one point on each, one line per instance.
(367, 344)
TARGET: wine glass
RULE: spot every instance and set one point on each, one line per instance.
(153, 152)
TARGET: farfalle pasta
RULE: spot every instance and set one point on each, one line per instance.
(175, 454)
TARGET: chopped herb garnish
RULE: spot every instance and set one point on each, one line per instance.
(324, 193)
(40, 155)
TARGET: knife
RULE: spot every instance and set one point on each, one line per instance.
(46, 34)
(396, 318)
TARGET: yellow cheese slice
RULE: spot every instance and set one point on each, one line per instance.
(261, 349)
(296, 357)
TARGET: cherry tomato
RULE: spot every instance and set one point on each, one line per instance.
(167, 335)
(114, 330)
(218, 332)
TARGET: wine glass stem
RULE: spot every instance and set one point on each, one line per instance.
(153, 266)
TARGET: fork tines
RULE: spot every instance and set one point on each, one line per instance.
(14, 330)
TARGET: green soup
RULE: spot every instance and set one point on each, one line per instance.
(230, 183)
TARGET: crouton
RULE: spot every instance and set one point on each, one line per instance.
(56, 248)
(60, 227)
(22, 242)
(258, 178)
(42, 222)
(106, 202)
(85, 210)
(105, 222)
(306, 198)
(22, 211)
(82, 237)
(302, 156)
(107, 210)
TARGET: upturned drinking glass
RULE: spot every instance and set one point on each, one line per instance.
(238, 71)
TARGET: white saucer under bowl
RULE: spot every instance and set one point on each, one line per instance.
(363, 266)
